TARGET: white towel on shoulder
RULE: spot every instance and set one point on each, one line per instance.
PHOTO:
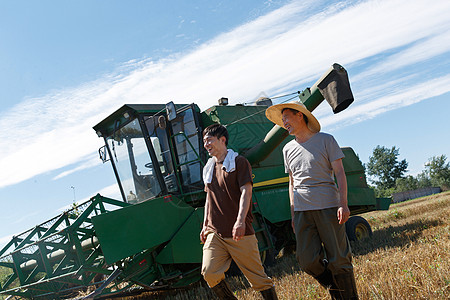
(229, 165)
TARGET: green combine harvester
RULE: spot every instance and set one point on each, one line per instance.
(149, 239)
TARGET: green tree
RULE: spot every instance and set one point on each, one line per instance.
(438, 170)
(407, 183)
(423, 180)
(385, 167)
(384, 193)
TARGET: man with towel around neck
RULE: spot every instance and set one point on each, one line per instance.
(227, 231)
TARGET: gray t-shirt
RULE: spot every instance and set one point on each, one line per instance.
(313, 177)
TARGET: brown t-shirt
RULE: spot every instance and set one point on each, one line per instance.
(224, 195)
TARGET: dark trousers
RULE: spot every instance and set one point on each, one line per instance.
(319, 235)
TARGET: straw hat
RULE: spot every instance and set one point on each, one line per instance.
(273, 113)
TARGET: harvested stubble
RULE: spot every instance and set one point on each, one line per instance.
(408, 257)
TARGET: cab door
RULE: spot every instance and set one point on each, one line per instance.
(187, 145)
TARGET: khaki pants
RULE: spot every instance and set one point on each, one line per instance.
(315, 228)
(218, 253)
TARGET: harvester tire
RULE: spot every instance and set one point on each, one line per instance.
(357, 228)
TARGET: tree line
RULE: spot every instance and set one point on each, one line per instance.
(387, 172)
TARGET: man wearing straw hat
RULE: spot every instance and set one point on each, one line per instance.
(318, 207)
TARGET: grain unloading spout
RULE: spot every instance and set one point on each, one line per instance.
(334, 86)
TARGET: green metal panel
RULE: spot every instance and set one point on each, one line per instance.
(360, 196)
(273, 202)
(185, 246)
(351, 163)
(269, 175)
(132, 229)
(264, 148)
(246, 125)
(383, 203)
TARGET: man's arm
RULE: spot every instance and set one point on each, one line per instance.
(343, 212)
(291, 198)
(205, 213)
(244, 206)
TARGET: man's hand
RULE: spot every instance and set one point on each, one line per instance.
(203, 235)
(343, 213)
(238, 230)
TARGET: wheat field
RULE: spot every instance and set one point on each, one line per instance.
(408, 257)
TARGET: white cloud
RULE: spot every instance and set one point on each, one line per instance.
(358, 113)
(280, 51)
(421, 51)
(91, 162)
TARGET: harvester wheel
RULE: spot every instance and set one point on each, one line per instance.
(357, 228)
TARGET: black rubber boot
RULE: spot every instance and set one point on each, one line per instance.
(327, 281)
(347, 285)
(223, 291)
(269, 294)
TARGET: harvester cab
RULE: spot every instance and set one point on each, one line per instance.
(154, 150)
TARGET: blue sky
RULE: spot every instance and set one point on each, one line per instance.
(65, 65)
